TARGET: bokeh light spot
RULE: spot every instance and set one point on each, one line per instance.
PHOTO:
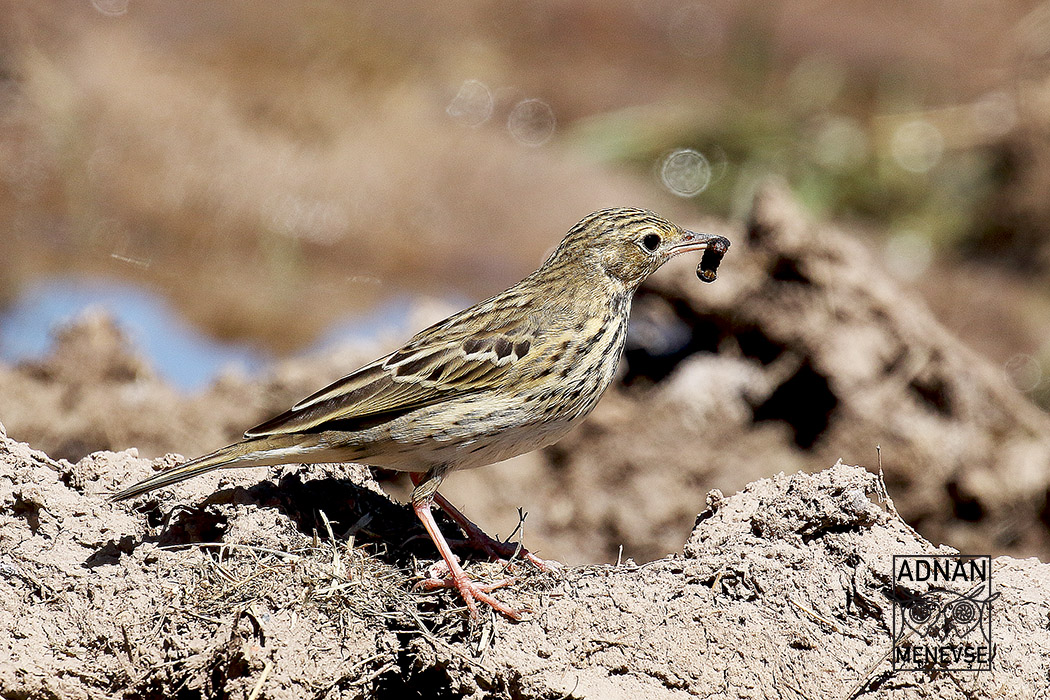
(472, 105)
(840, 143)
(685, 172)
(908, 255)
(531, 122)
(1024, 372)
(917, 145)
(111, 8)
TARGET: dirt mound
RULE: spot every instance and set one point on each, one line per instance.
(802, 352)
(782, 587)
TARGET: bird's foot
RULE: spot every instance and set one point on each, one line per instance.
(470, 591)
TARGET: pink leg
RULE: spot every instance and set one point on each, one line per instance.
(469, 590)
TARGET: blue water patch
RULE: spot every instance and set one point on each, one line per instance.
(181, 354)
(178, 352)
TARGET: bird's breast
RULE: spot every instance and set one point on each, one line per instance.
(558, 383)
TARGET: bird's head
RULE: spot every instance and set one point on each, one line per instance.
(627, 244)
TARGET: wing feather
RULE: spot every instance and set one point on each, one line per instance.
(431, 368)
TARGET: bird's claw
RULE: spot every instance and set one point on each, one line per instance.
(471, 591)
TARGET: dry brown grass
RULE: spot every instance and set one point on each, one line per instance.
(339, 582)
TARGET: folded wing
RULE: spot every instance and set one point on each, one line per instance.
(426, 371)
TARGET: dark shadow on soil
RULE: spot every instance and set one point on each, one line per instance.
(393, 531)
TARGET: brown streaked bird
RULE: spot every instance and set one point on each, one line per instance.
(501, 378)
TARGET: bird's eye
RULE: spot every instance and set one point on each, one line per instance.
(651, 241)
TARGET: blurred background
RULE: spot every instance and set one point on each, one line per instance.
(242, 182)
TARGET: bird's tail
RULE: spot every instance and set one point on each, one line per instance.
(258, 452)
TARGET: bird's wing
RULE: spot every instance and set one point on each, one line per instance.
(434, 366)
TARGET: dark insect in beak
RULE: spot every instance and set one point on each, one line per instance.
(707, 270)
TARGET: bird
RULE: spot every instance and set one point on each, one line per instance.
(506, 376)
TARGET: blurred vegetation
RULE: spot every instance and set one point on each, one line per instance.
(270, 167)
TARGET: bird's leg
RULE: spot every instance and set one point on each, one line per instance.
(422, 500)
(496, 549)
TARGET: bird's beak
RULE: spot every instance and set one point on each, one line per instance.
(700, 241)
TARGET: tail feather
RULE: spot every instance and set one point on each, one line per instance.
(249, 453)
